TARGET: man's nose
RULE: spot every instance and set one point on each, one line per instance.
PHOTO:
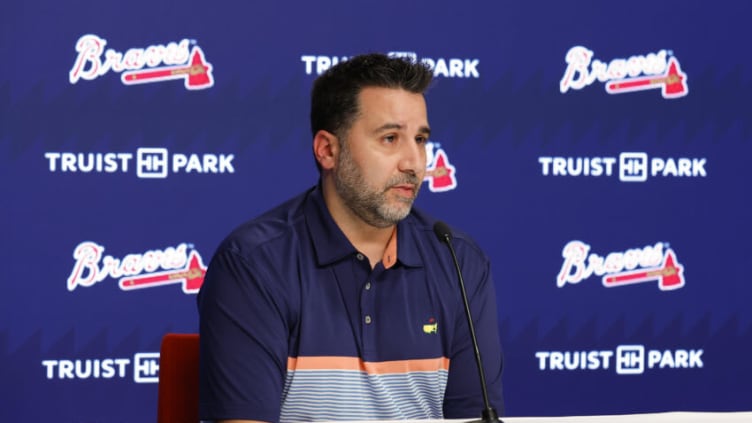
(413, 157)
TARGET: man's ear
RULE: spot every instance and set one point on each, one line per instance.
(325, 149)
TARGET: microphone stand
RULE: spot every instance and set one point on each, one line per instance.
(488, 414)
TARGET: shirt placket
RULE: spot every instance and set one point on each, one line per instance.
(369, 318)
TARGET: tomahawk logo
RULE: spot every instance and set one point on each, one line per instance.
(172, 265)
(638, 265)
(637, 73)
(440, 174)
(143, 65)
(669, 275)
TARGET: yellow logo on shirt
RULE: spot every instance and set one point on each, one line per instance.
(431, 328)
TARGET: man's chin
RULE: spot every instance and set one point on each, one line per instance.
(396, 214)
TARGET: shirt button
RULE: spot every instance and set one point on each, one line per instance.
(360, 257)
(368, 286)
(368, 319)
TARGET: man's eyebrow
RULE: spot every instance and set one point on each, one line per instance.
(387, 126)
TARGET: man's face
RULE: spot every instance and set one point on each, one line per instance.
(382, 161)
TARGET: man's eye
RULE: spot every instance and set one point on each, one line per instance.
(390, 138)
(421, 140)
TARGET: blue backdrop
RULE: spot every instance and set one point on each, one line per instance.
(598, 151)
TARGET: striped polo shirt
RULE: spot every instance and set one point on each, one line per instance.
(296, 326)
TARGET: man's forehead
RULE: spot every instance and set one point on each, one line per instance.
(392, 108)
(378, 91)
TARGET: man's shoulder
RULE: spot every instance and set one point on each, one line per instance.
(423, 223)
(280, 222)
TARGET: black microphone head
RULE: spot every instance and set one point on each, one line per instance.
(442, 231)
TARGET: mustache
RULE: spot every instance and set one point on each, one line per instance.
(410, 179)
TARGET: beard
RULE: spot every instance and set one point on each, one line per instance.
(371, 204)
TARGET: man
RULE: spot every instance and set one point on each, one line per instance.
(342, 304)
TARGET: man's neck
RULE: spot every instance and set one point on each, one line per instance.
(367, 239)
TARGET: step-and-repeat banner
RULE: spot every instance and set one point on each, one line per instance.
(599, 152)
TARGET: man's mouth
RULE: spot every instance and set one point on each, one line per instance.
(407, 190)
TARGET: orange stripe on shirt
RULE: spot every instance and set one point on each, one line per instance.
(355, 363)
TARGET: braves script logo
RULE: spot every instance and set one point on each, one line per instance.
(636, 73)
(137, 271)
(649, 264)
(440, 174)
(94, 61)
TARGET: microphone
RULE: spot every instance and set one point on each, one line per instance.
(488, 415)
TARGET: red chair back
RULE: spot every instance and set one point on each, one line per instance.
(178, 379)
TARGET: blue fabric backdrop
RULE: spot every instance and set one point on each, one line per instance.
(115, 194)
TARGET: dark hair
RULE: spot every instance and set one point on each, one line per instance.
(334, 98)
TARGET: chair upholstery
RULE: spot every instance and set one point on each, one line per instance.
(178, 379)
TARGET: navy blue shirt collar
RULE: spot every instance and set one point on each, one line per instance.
(331, 245)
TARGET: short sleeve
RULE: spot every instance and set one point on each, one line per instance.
(243, 338)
